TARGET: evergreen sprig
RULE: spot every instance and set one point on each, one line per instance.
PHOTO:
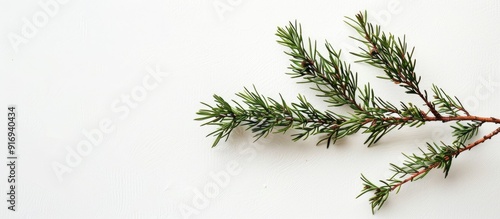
(263, 114)
(368, 113)
(331, 76)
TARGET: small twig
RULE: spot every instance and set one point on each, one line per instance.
(434, 165)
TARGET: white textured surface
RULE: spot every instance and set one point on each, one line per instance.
(67, 77)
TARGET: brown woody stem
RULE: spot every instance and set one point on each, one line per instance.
(442, 119)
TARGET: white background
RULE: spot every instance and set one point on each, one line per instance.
(72, 73)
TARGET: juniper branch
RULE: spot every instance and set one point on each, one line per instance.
(263, 114)
(334, 81)
(391, 54)
(331, 76)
